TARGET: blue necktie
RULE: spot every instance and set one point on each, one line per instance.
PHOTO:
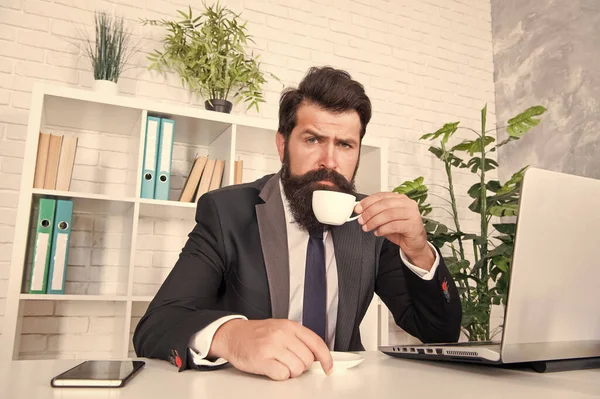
(314, 312)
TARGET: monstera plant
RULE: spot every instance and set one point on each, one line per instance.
(482, 278)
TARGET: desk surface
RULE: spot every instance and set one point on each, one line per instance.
(379, 376)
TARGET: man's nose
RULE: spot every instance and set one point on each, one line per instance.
(328, 157)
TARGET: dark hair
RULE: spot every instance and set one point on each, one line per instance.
(331, 89)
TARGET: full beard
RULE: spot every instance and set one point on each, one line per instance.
(299, 191)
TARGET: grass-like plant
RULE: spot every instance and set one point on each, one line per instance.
(111, 48)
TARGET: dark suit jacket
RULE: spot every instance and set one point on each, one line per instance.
(236, 262)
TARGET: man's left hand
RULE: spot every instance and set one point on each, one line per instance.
(397, 218)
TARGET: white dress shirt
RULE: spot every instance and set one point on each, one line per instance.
(297, 243)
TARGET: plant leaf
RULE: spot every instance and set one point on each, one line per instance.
(447, 130)
(493, 186)
(456, 267)
(438, 152)
(483, 118)
(447, 156)
(415, 190)
(522, 123)
(478, 240)
(473, 146)
(506, 228)
(501, 263)
(504, 210)
(475, 164)
(475, 190)
(514, 183)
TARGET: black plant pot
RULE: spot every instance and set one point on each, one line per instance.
(218, 105)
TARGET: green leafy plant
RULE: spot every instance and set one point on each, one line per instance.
(208, 53)
(483, 278)
(111, 48)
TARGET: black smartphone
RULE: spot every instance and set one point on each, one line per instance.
(98, 374)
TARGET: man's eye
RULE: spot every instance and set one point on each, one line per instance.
(345, 145)
(312, 140)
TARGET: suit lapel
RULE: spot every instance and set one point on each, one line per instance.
(347, 243)
(273, 240)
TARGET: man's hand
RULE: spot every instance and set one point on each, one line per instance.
(397, 218)
(277, 348)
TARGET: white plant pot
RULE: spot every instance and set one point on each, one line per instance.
(104, 87)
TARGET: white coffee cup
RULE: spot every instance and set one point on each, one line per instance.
(333, 207)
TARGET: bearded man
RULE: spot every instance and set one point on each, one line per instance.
(262, 285)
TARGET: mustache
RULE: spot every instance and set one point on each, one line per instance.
(324, 174)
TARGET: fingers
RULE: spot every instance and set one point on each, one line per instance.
(395, 227)
(317, 346)
(373, 221)
(373, 198)
(388, 210)
(276, 370)
(289, 359)
(300, 349)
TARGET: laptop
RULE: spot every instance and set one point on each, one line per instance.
(553, 305)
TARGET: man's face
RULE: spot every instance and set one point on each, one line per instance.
(322, 153)
(322, 139)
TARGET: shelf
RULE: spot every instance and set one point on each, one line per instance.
(142, 298)
(53, 297)
(73, 194)
(91, 298)
(167, 209)
(195, 131)
(70, 113)
(89, 202)
(99, 203)
(129, 104)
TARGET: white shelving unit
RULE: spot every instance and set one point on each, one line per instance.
(123, 261)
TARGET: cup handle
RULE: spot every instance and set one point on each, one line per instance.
(353, 217)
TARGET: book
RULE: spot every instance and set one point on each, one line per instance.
(66, 162)
(191, 183)
(237, 173)
(52, 162)
(41, 160)
(217, 176)
(206, 177)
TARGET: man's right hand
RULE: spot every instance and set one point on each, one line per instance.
(277, 348)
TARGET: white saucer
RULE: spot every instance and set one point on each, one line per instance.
(341, 361)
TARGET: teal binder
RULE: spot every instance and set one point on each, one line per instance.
(57, 274)
(42, 246)
(165, 154)
(150, 157)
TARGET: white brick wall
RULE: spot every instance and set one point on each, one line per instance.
(423, 63)
(70, 330)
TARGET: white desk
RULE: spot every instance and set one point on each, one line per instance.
(379, 376)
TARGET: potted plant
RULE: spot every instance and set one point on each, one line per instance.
(483, 278)
(208, 53)
(108, 52)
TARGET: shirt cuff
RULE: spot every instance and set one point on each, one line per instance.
(424, 274)
(201, 341)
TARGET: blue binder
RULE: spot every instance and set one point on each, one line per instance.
(57, 275)
(165, 154)
(150, 157)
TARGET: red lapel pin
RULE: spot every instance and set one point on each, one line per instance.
(175, 359)
(445, 291)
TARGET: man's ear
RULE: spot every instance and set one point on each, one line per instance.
(280, 141)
